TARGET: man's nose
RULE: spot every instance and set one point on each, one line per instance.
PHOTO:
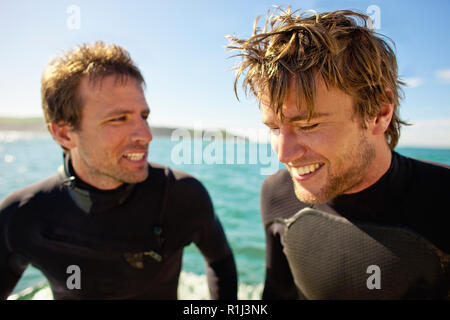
(290, 146)
(142, 132)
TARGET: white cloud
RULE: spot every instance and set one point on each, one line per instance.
(444, 74)
(413, 82)
(426, 133)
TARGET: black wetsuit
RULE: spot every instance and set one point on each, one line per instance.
(412, 194)
(127, 242)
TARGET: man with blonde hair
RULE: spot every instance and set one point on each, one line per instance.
(349, 218)
(109, 225)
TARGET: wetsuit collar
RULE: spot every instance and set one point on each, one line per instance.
(90, 199)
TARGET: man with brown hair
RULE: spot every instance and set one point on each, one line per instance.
(350, 218)
(109, 225)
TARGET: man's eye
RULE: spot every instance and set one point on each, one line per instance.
(275, 131)
(308, 128)
(118, 119)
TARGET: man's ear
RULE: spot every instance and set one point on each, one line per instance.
(381, 122)
(63, 134)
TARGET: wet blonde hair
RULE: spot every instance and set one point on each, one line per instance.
(339, 46)
(60, 81)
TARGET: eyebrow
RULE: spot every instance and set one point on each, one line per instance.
(122, 111)
(302, 117)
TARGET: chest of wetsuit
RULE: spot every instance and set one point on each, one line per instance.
(333, 258)
(388, 242)
(126, 243)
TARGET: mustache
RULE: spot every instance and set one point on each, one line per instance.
(137, 146)
(304, 162)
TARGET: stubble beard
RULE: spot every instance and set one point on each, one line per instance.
(108, 172)
(116, 173)
(338, 184)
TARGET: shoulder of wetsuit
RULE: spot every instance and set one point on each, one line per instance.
(182, 185)
(278, 199)
(159, 174)
(429, 179)
(188, 197)
(23, 196)
(426, 202)
(427, 164)
(15, 209)
(280, 176)
(271, 185)
(427, 170)
(184, 182)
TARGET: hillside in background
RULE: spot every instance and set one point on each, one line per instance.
(38, 125)
(22, 124)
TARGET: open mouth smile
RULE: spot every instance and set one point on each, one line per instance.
(305, 172)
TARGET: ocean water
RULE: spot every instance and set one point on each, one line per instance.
(234, 189)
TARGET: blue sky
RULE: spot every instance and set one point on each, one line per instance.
(179, 46)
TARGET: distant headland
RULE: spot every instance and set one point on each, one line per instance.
(37, 124)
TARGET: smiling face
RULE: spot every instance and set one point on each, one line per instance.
(329, 155)
(111, 145)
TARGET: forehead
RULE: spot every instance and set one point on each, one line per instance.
(328, 100)
(98, 86)
(110, 92)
